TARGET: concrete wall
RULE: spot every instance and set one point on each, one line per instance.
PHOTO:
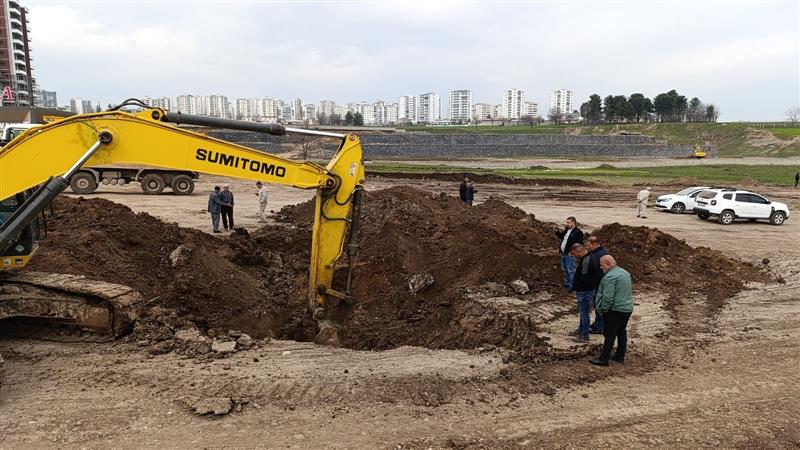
(439, 146)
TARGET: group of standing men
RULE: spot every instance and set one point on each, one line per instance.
(592, 273)
(220, 205)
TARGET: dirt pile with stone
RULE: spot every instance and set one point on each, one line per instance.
(432, 272)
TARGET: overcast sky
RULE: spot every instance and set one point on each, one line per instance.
(744, 57)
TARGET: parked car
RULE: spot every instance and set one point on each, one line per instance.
(729, 204)
(680, 201)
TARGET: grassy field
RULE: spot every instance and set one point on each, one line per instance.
(785, 133)
(705, 174)
(727, 139)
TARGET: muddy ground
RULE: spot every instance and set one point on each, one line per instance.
(706, 369)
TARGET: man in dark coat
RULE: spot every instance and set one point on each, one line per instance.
(467, 191)
(568, 237)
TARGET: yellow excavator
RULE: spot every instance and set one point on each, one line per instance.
(36, 166)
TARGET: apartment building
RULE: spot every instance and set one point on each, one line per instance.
(47, 99)
(511, 105)
(17, 84)
(561, 100)
(530, 109)
(219, 106)
(481, 111)
(430, 108)
(460, 106)
(407, 109)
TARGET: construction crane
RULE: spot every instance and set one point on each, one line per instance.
(36, 166)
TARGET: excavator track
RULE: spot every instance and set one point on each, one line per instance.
(65, 308)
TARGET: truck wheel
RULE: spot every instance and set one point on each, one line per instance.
(726, 217)
(678, 208)
(777, 218)
(182, 185)
(83, 183)
(152, 183)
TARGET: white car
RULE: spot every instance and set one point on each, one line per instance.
(680, 201)
(729, 204)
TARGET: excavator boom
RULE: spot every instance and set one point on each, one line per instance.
(40, 161)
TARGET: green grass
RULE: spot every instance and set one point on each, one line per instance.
(707, 174)
(785, 133)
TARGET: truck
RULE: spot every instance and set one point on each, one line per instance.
(151, 179)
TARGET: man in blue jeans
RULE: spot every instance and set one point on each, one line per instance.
(584, 282)
(568, 237)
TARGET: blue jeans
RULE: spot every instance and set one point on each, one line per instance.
(568, 266)
(215, 221)
(585, 301)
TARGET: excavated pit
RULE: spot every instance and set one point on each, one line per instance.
(431, 272)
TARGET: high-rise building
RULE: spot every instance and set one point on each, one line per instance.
(430, 108)
(460, 106)
(88, 106)
(481, 111)
(48, 99)
(561, 100)
(407, 109)
(497, 111)
(512, 104)
(218, 106)
(246, 108)
(17, 84)
(164, 103)
(76, 105)
(530, 109)
(326, 107)
(310, 112)
(297, 109)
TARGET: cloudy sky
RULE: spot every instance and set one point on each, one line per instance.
(742, 56)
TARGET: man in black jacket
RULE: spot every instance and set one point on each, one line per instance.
(467, 191)
(568, 237)
(595, 247)
(587, 278)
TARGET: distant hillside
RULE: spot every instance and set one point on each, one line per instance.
(728, 139)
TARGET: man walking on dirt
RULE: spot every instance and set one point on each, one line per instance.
(641, 202)
(584, 283)
(467, 191)
(568, 237)
(226, 197)
(262, 201)
(615, 302)
(214, 208)
(796, 179)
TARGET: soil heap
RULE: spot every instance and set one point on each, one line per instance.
(421, 256)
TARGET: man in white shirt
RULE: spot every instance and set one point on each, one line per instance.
(641, 202)
(262, 200)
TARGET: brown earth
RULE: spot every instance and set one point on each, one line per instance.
(254, 282)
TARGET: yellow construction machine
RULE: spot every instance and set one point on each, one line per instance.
(698, 152)
(35, 167)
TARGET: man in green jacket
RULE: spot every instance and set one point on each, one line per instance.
(615, 302)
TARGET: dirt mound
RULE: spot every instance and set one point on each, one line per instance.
(699, 277)
(479, 178)
(432, 271)
(207, 280)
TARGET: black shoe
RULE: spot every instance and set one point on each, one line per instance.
(595, 331)
(575, 333)
(599, 362)
(618, 359)
(217, 231)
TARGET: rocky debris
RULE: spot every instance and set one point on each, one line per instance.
(520, 287)
(765, 261)
(419, 282)
(244, 342)
(218, 406)
(223, 347)
(180, 255)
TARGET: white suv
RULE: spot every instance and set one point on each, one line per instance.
(729, 204)
(680, 201)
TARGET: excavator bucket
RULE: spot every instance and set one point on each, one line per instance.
(33, 301)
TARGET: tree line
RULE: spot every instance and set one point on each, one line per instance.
(665, 107)
(356, 119)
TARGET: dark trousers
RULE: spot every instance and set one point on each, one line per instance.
(227, 216)
(616, 328)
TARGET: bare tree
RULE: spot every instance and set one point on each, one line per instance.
(555, 116)
(793, 115)
(307, 145)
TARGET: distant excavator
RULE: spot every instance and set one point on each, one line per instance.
(35, 167)
(698, 152)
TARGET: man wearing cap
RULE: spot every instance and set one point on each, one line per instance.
(226, 197)
(641, 202)
(214, 207)
(263, 197)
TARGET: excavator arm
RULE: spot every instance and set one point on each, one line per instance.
(47, 156)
